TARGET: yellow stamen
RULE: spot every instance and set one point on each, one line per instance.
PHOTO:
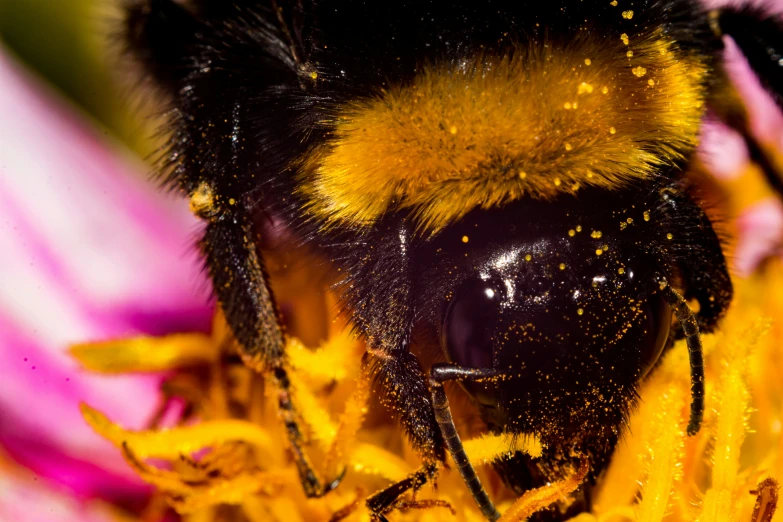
(190, 496)
(185, 440)
(489, 448)
(146, 354)
(540, 498)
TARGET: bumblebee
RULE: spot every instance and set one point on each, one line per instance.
(500, 184)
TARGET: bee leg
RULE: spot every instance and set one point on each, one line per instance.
(241, 285)
(407, 505)
(382, 309)
(760, 38)
(695, 250)
(439, 374)
(405, 392)
(384, 501)
(690, 327)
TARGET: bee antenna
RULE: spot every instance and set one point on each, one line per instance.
(690, 328)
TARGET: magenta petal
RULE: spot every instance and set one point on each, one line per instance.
(83, 479)
(31, 501)
(90, 250)
(40, 424)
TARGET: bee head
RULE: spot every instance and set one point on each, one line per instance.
(560, 301)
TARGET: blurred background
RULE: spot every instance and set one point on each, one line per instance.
(70, 44)
(90, 249)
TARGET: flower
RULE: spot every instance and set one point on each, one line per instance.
(82, 234)
(747, 196)
(234, 456)
(226, 453)
(235, 451)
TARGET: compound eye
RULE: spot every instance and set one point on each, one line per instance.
(657, 323)
(469, 323)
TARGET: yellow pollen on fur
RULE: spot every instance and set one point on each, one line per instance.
(584, 88)
(202, 201)
(389, 150)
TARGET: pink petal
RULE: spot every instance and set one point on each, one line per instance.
(90, 250)
(23, 500)
(765, 116)
(760, 235)
(722, 150)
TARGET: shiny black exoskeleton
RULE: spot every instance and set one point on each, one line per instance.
(565, 308)
(550, 303)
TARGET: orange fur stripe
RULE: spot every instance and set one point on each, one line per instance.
(489, 130)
